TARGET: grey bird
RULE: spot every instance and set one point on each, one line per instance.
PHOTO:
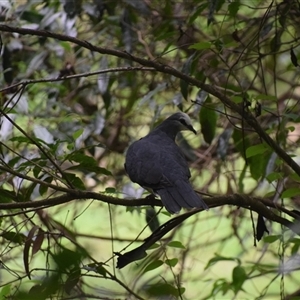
(157, 164)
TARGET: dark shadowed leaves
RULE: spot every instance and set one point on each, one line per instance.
(152, 219)
(261, 228)
(294, 58)
(72, 279)
(186, 69)
(208, 120)
(164, 289)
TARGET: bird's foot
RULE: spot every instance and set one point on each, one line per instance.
(151, 198)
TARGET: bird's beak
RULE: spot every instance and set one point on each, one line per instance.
(191, 128)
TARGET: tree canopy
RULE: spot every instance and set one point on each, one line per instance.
(82, 80)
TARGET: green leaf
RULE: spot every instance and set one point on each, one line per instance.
(238, 278)
(86, 163)
(5, 291)
(7, 196)
(241, 141)
(237, 99)
(186, 69)
(208, 120)
(274, 176)
(75, 180)
(255, 150)
(265, 97)
(201, 46)
(291, 192)
(233, 8)
(258, 164)
(171, 262)
(72, 279)
(176, 244)
(159, 289)
(152, 218)
(153, 265)
(43, 188)
(77, 134)
(218, 258)
(154, 246)
(271, 238)
(110, 190)
(295, 249)
(12, 236)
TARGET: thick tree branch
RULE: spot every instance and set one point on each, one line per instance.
(235, 199)
(246, 115)
(261, 206)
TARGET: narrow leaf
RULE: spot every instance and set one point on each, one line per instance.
(208, 121)
(37, 243)
(27, 248)
(186, 69)
(72, 280)
(294, 58)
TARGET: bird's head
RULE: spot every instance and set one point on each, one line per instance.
(182, 121)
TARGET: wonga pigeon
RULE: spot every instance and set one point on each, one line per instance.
(156, 163)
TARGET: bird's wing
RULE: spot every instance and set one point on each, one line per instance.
(155, 163)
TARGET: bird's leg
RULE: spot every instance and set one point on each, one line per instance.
(151, 197)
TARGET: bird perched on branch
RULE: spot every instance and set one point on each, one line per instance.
(157, 164)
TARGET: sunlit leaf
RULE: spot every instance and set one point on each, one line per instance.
(77, 133)
(5, 291)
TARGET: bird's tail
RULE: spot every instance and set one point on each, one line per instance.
(181, 195)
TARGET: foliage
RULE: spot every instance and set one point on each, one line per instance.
(81, 81)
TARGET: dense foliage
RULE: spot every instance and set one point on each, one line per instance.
(81, 81)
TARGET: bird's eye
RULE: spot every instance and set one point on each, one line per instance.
(183, 122)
